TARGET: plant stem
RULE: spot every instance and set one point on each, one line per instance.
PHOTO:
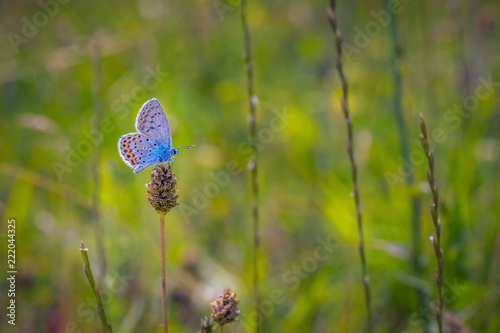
(253, 163)
(95, 290)
(163, 278)
(96, 91)
(461, 46)
(404, 151)
(434, 208)
(350, 150)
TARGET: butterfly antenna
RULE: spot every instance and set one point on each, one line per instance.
(186, 147)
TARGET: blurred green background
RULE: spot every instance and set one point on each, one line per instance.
(81, 61)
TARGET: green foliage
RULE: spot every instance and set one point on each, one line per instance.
(185, 55)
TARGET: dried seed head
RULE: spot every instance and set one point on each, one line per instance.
(422, 126)
(162, 189)
(225, 308)
(206, 325)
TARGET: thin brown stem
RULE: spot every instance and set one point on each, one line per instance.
(253, 163)
(350, 151)
(163, 278)
(434, 208)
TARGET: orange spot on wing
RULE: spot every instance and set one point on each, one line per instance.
(134, 161)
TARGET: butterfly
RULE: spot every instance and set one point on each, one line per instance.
(152, 144)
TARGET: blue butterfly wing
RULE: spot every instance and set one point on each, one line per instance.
(152, 121)
(139, 151)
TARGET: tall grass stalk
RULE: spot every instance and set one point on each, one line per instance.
(98, 110)
(162, 195)
(163, 277)
(464, 72)
(405, 153)
(350, 151)
(434, 208)
(90, 277)
(247, 55)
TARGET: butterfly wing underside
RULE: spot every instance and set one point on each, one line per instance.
(152, 121)
(138, 151)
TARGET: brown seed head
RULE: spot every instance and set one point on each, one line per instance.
(206, 325)
(225, 308)
(162, 189)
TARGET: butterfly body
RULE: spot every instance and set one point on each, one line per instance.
(152, 143)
